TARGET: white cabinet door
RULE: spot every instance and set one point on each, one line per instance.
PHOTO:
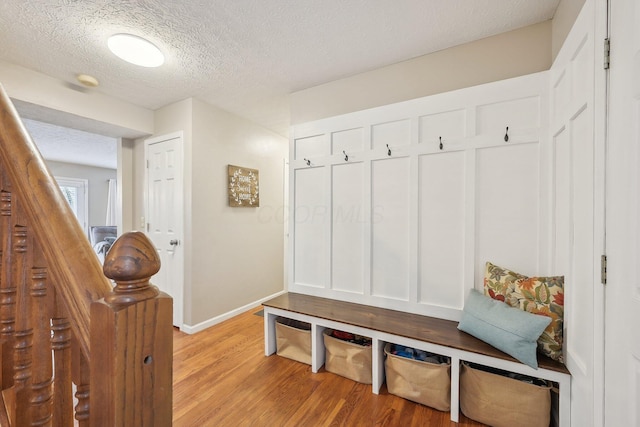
(577, 136)
(622, 398)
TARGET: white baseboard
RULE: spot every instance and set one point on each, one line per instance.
(188, 329)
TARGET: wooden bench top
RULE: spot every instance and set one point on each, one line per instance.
(422, 328)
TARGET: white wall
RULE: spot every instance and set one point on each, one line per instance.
(233, 256)
(41, 90)
(563, 20)
(238, 253)
(515, 53)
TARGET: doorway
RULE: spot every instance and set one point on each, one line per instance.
(164, 214)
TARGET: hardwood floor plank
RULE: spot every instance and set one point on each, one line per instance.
(222, 378)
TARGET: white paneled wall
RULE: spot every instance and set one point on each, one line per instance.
(348, 227)
(401, 206)
(309, 222)
(508, 206)
(441, 213)
(390, 228)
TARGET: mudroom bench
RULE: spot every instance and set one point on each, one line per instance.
(422, 332)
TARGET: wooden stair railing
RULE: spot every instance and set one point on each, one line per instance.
(63, 325)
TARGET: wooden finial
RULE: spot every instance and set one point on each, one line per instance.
(131, 262)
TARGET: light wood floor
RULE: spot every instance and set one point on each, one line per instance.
(222, 378)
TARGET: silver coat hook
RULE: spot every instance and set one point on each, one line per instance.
(388, 150)
(506, 135)
(346, 158)
(441, 146)
(308, 162)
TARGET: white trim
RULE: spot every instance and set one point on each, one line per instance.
(601, 102)
(188, 329)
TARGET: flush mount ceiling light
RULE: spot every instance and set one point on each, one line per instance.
(135, 50)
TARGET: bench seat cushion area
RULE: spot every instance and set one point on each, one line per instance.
(431, 334)
(414, 326)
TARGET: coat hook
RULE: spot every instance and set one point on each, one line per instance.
(506, 135)
(308, 162)
(346, 158)
(441, 146)
(388, 150)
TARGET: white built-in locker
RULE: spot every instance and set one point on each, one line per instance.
(401, 206)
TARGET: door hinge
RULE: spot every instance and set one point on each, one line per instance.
(147, 164)
(607, 53)
(603, 269)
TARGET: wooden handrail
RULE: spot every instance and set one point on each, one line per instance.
(81, 282)
(62, 321)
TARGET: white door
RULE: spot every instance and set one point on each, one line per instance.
(165, 215)
(622, 349)
(577, 120)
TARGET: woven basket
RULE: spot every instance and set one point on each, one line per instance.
(501, 401)
(347, 359)
(422, 382)
(293, 340)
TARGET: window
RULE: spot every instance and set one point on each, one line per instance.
(75, 191)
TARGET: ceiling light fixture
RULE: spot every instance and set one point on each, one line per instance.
(135, 50)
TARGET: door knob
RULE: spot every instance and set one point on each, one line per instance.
(174, 242)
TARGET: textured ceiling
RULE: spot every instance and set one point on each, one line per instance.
(70, 145)
(244, 56)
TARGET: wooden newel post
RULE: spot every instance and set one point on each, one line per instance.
(132, 341)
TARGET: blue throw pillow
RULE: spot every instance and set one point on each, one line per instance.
(506, 328)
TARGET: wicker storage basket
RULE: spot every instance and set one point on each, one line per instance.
(293, 340)
(419, 381)
(350, 360)
(501, 401)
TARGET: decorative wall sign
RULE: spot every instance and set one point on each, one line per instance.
(243, 187)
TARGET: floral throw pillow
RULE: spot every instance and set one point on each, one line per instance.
(499, 282)
(537, 295)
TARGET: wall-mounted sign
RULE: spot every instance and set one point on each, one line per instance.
(243, 187)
